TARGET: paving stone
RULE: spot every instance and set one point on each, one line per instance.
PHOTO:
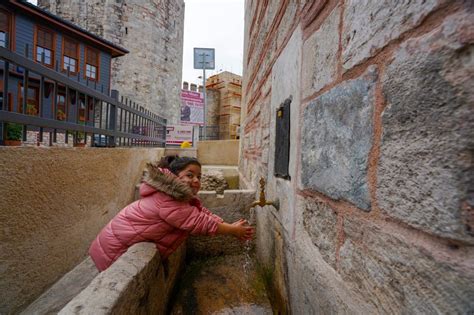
(336, 140)
(425, 173)
(401, 278)
(371, 26)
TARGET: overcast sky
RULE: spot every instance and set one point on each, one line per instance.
(217, 24)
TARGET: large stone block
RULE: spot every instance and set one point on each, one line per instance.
(399, 277)
(320, 222)
(315, 287)
(372, 24)
(336, 140)
(320, 55)
(425, 173)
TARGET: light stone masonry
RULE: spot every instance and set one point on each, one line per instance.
(425, 170)
(319, 220)
(399, 277)
(370, 25)
(337, 138)
(392, 134)
(320, 55)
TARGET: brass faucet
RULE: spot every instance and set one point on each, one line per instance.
(263, 201)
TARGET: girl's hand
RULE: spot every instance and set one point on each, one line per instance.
(243, 230)
(240, 221)
(240, 229)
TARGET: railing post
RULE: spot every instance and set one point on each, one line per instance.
(113, 115)
(6, 97)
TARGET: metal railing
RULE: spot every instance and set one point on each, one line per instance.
(212, 132)
(85, 112)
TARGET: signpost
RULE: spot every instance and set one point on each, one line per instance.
(204, 58)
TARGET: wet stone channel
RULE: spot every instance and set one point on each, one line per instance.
(228, 284)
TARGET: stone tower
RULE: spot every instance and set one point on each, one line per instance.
(152, 30)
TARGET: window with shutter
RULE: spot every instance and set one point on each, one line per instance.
(44, 47)
(92, 64)
(70, 55)
(4, 28)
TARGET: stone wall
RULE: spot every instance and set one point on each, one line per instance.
(378, 214)
(218, 152)
(213, 98)
(54, 202)
(152, 31)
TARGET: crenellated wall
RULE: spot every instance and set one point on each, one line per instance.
(152, 31)
(378, 214)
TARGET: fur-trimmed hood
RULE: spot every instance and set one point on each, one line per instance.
(163, 180)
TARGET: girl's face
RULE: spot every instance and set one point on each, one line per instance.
(191, 176)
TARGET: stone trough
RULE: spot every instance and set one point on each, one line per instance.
(139, 282)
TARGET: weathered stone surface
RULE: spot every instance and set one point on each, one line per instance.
(336, 140)
(402, 278)
(232, 206)
(267, 50)
(315, 287)
(137, 283)
(425, 174)
(219, 285)
(373, 24)
(320, 55)
(64, 290)
(213, 105)
(320, 221)
(153, 33)
(46, 227)
(213, 180)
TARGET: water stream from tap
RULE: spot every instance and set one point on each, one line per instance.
(248, 244)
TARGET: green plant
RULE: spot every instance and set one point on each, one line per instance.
(31, 109)
(13, 131)
(80, 136)
(60, 115)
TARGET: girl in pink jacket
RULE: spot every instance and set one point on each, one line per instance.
(167, 212)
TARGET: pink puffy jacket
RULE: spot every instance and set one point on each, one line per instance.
(165, 215)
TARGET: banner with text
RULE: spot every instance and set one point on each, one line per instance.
(192, 108)
(176, 134)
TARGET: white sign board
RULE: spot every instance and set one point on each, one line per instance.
(176, 134)
(204, 58)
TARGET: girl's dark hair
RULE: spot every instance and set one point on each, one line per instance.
(176, 163)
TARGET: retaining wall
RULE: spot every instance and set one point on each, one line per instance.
(54, 202)
(218, 152)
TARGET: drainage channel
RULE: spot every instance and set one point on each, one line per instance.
(220, 285)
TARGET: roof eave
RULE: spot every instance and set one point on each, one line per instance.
(115, 51)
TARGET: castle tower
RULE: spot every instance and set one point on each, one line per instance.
(152, 30)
